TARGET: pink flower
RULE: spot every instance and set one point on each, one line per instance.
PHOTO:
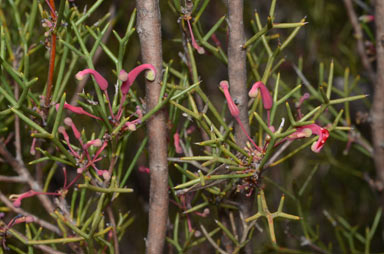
(100, 80)
(176, 141)
(77, 110)
(19, 197)
(143, 169)
(265, 94)
(366, 18)
(199, 49)
(129, 78)
(235, 111)
(68, 121)
(231, 104)
(307, 131)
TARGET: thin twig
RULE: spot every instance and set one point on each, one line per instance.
(114, 229)
(378, 102)
(360, 40)
(211, 241)
(12, 179)
(278, 153)
(149, 30)
(23, 172)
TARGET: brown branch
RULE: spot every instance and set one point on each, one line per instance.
(114, 231)
(359, 40)
(237, 70)
(23, 172)
(12, 179)
(237, 73)
(52, 57)
(149, 30)
(378, 102)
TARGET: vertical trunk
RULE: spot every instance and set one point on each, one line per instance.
(378, 102)
(237, 70)
(149, 30)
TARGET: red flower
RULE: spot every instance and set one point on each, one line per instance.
(307, 131)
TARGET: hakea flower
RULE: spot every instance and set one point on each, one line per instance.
(68, 121)
(129, 78)
(17, 198)
(77, 110)
(176, 142)
(307, 131)
(101, 81)
(20, 219)
(104, 173)
(143, 169)
(199, 49)
(234, 110)
(96, 142)
(366, 18)
(265, 96)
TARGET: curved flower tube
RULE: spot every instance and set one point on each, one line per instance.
(235, 111)
(265, 96)
(307, 131)
(100, 80)
(129, 78)
(77, 110)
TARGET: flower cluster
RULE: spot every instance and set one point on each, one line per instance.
(301, 132)
(83, 155)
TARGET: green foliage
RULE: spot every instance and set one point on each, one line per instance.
(88, 169)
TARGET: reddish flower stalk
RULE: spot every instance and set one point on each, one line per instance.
(199, 49)
(216, 40)
(129, 78)
(101, 81)
(301, 101)
(68, 121)
(66, 138)
(233, 109)
(265, 96)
